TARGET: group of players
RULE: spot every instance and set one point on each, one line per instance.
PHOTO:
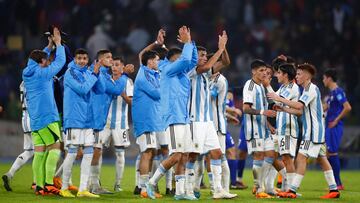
(179, 114)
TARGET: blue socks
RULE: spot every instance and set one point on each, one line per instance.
(335, 164)
(233, 167)
(240, 166)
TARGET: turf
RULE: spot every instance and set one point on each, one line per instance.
(312, 188)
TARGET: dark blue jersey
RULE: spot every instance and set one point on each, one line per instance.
(335, 103)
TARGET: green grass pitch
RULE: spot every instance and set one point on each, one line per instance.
(313, 186)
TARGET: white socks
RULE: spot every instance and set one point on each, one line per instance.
(20, 161)
(137, 172)
(180, 184)
(119, 165)
(329, 177)
(189, 178)
(160, 172)
(199, 171)
(225, 176)
(215, 165)
(295, 184)
(85, 167)
(67, 167)
(257, 173)
(290, 178)
(143, 180)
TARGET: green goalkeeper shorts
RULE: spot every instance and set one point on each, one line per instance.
(48, 135)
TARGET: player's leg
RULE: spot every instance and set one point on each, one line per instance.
(121, 142)
(147, 144)
(329, 174)
(231, 159)
(243, 151)
(333, 140)
(52, 137)
(19, 161)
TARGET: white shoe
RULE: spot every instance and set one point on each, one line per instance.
(222, 194)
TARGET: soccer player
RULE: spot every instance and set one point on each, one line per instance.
(175, 93)
(336, 107)
(287, 124)
(218, 89)
(28, 144)
(117, 125)
(44, 117)
(146, 113)
(255, 108)
(205, 139)
(313, 138)
(79, 82)
(100, 108)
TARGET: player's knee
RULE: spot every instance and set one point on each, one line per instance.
(88, 150)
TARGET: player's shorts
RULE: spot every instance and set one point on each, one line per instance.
(47, 136)
(147, 141)
(28, 143)
(313, 150)
(77, 136)
(180, 138)
(333, 138)
(260, 145)
(275, 138)
(287, 145)
(162, 139)
(222, 142)
(204, 137)
(120, 138)
(229, 141)
(242, 140)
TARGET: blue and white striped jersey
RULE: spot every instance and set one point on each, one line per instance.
(218, 89)
(118, 112)
(255, 125)
(200, 107)
(287, 124)
(25, 120)
(313, 115)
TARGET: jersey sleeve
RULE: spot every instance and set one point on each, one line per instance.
(307, 96)
(341, 97)
(130, 88)
(248, 94)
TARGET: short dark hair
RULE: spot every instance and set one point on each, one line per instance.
(147, 55)
(81, 51)
(38, 55)
(331, 73)
(289, 69)
(277, 62)
(257, 63)
(308, 67)
(162, 52)
(120, 58)
(102, 52)
(173, 51)
(201, 48)
(290, 59)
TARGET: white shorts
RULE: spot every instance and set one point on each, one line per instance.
(28, 143)
(313, 150)
(204, 137)
(222, 142)
(287, 145)
(260, 145)
(162, 139)
(147, 141)
(180, 138)
(120, 138)
(76, 136)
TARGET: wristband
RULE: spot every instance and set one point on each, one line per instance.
(261, 112)
(156, 42)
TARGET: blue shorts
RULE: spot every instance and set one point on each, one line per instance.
(229, 141)
(242, 140)
(333, 138)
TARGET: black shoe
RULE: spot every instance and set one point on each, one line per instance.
(170, 192)
(6, 182)
(137, 190)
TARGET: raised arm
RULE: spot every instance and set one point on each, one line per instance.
(211, 62)
(159, 42)
(60, 59)
(80, 88)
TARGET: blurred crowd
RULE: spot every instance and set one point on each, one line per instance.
(325, 33)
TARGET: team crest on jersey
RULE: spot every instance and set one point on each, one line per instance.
(339, 97)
